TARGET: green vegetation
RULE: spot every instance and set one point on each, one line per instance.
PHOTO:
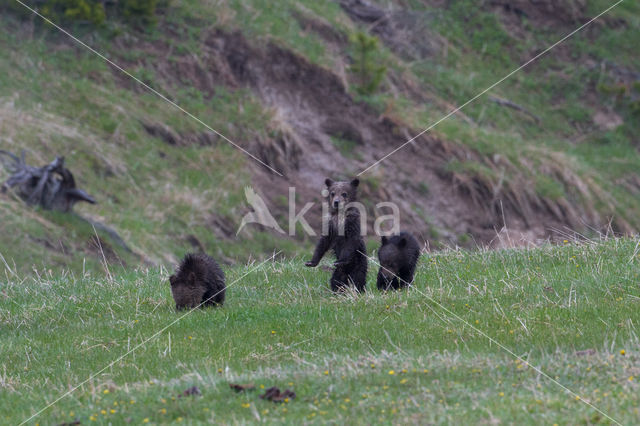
(75, 10)
(624, 95)
(94, 12)
(366, 68)
(549, 188)
(408, 357)
(347, 148)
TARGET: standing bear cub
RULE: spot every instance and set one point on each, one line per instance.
(344, 237)
(398, 257)
(198, 281)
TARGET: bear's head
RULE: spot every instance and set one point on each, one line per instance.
(186, 290)
(391, 255)
(341, 193)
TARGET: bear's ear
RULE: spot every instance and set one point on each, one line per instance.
(355, 182)
(402, 242)
(328, 182)
(383, 240)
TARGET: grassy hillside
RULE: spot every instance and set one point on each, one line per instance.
(567, 160)
(153, 193)
(417, 356)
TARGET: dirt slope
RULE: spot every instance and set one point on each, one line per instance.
(311, 105)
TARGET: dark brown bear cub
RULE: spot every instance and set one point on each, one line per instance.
(398, 258)
(197, 281)
(344, 237)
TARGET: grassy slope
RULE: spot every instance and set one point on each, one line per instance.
(561, 88)
(281, 326)
(60, 100)
(66, 102)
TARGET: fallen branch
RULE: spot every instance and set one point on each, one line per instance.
(513, 105)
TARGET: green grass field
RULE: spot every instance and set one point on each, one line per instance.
(418, 356)
(527, 336)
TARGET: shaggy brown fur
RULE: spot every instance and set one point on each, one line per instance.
(347, 243)
(198, 281)
(398, 257)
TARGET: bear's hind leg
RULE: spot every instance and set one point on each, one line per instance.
(358, 275)
(339, 280)
(214, 296)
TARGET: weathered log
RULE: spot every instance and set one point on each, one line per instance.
(52, 186)
(510, 104)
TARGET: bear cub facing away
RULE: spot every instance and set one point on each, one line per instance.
(197, 281)
(343, 237)
(398, 257)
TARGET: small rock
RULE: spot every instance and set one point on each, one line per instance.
(607, 120)
(239, 388)
(193, 390)
(274, 394)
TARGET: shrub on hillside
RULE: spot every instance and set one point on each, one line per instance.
(75, 10)
(367, 71)
(94, 12)
(624, 95)
(139, 10)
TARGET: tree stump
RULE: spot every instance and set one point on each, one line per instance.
(53, 186)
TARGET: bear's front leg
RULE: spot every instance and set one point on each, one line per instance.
(385, 284)
(405, 277)
(323, 245)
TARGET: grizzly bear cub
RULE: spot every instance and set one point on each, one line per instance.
(197, 281)
(398, 257)
(344, 237)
